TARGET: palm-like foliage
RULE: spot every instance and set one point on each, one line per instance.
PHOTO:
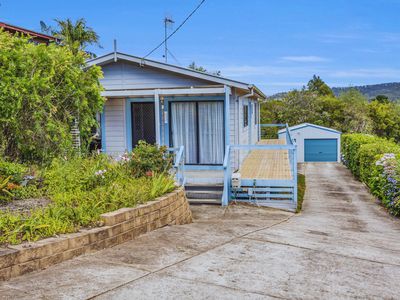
(77, 36)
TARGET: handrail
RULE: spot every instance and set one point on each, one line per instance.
(226, 157)
(288, 135)
(179, 164)
(225, 193)
(179, 156)
(273, 125)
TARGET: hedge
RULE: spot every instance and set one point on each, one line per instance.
(376, 162)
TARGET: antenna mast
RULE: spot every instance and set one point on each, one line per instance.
(167, 21)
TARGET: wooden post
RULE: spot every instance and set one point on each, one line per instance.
(157, 116)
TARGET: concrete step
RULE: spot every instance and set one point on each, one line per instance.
(205, 201)
(203, 177)
(205, 188)
(203, 194)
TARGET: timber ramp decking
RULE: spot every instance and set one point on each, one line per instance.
(267, 177)
(267, 164)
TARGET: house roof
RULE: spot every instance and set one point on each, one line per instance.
(13, 29)
(303, 125)
(114, 56)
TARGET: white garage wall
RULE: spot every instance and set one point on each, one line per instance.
(309, 132)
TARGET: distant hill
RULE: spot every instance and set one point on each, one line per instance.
(391, 90)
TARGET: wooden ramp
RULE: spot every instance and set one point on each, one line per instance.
(266, 178)
(267, 164)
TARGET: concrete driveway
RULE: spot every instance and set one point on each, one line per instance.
(343, 245)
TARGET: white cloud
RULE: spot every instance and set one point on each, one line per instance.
(308, 58)
(268, 70)
(366, 73)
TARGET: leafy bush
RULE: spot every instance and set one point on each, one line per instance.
(147, 159)
(14, 170)
(376, 162)
(43, 89)
(81, 189)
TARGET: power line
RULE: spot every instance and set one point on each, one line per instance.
(179, 27)
(173, 56)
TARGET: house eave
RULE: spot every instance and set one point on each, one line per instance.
(112, 57)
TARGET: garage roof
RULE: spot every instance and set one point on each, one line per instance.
(300, 126)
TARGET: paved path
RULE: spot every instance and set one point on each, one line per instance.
(343, 245)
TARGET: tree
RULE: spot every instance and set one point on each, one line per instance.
(77, 36)
(355, 113)
(317, 85)
(201, 69)
(381, 99)
(385, 119)
(42, 90)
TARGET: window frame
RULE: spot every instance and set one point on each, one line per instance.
(197, 101)
(245, 115)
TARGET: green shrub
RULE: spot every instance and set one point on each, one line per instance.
(350, 146)
(147, 159)
(376, 162)
(81, 189)
(15, 170)
(301, 190)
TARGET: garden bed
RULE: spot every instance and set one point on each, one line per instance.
(24, 205)
(72, 193)
(119, 226)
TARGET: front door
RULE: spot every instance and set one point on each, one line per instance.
(143, 127)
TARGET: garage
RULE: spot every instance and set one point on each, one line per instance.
(315, 143)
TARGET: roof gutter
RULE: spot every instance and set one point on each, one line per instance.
(251, 94)
(254, 91)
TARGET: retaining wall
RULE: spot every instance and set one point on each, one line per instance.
(119, 226)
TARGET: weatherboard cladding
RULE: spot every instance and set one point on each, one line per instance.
(185, 72)
(124, 75)
(128, 75)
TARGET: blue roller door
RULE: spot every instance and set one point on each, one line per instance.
(320, 150)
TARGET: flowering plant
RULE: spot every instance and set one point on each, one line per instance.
(390, 175)
(146, 160)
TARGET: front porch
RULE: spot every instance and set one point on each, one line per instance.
(266, 176)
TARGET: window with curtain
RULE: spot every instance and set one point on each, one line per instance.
(184, 129)
(256, 114)
(245, 115)
(199, 127)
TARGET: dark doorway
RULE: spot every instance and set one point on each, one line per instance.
(143, 127)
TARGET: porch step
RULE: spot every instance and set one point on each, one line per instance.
(207, 194)
(205, 201)
(203, 195)
(207, 178)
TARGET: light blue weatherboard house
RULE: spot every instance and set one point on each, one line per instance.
(205, 119)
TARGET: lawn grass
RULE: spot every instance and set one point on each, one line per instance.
(301, 189)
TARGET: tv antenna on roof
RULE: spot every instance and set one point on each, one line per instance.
(168, 22)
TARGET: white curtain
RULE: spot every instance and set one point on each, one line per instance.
(184, 129)
(211, 132)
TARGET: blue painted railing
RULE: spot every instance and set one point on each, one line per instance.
(289, 146)
(179, 163)
(227, 176)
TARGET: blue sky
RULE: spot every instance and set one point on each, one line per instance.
(275, 44)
